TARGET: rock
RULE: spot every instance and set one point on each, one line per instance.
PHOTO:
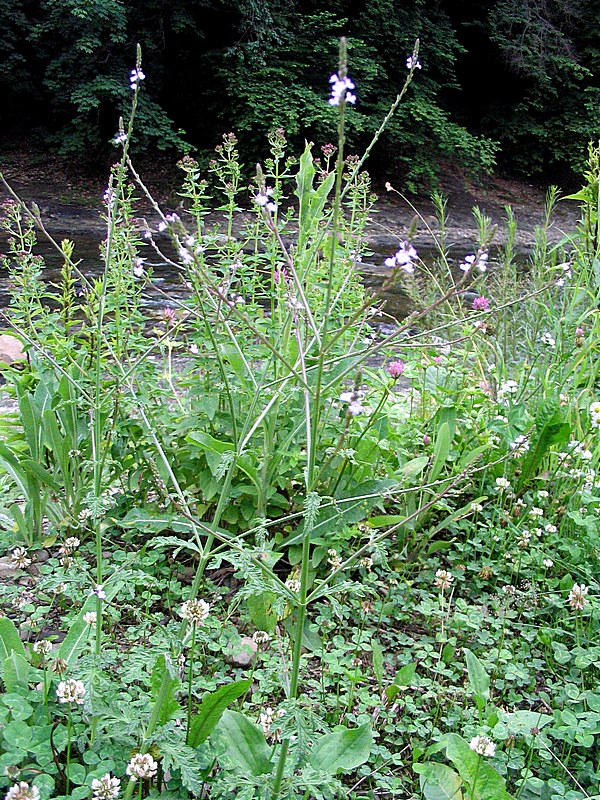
(241, 652)
(8, 569)
(11, 349)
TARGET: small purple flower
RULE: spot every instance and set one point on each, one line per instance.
(396, 368)
(413, 63)
(478, 261)
(403, 258)
(135, 77)
(138, 268)
(481, 304)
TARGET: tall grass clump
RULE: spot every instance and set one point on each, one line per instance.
(267, 550)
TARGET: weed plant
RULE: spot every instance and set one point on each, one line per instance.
(265, 551)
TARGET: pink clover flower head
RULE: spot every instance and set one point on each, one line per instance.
(481, 304)
(396, 368)
(438, 360)
(341, 90)
(413, 63)
(404, 258)
(135, 77)
(169, 315)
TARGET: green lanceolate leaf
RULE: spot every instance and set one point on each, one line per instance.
(475, 771)
(16, 672)
(168, 704)
(478, 677)
(343, 750)
(551, 429)
(10, 640)
(441, 450)
(244, 744)
(438, 781)
(211, 710)
(377, 660)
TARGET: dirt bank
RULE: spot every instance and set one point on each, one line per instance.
(70, 204)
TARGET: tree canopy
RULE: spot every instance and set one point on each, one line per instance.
(512, 82)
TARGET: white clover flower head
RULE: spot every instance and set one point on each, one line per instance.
(195, 611)
(502, 483)
(524, 539)
(443, 579)
(366, 562)
(483, 746)
(334, 561)
(543, 493)
(136, 76)
(22, 791)
(293, 584)
(261, 637)
(577, 597)
(550, 528)
(547, 563)
(476, 507)
(413, 63)
(142, 765)
(535, 511)
(341, 90)
(520, 444)
(43, 647)
(106, 788)
(20, 558)
(265, 719)
(90, 617)
(71, 691)
(507, 388)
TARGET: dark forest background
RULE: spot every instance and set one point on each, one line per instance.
(509, 84)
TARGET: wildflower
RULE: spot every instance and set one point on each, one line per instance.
(507, 388)
(105, 788)
(43, 647)
(509, 590)
(443, 579)
(69, 546)
(566, 273)
(334, 561)
(595, 413)
(195, 611)
(340, 90)
(577, 597)
(185, 256)
(483, 746)
(486, 573)
(169, 315)
(396, 368)
(71, 691)
(22, 791)
(548, 340)
(162, 226)
(120, 138)
(524, 539)
(262, 199)
(138, 268)
(550, 528)
(502, 483)
(366, 562)
(534, 512)
(19, 558)
(404, 258)
(478, 261)
(475, 507)
(142, 765)
(548, 563)
(59, 666)
(135, 77)
(99, 592)
(413, 63)
(543, 493)
(90, 617)
(520, 444)
(265, 719)
(261, 637)
(293, 584)
(481, 304)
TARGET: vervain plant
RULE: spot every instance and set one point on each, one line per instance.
(270, 453)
